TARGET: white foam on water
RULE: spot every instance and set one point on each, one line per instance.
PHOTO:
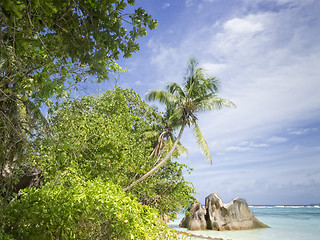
(260, 207)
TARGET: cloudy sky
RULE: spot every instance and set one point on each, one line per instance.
(266, 54)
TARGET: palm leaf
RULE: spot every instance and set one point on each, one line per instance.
(202, 143)
(174, 118)
(210, 84)
(162, 96)
(151, 134)
(206, 103)
(182, 149)
(175, 88)
(190, 79)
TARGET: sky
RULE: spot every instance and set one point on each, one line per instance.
(266, 54)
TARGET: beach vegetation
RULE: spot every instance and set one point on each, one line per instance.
(88, 151)
(97, 142)
(47, 48)
(73, 208)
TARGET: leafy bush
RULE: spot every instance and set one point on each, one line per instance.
(166, 190)
(71, 208)
(99, 137)
(106, 137)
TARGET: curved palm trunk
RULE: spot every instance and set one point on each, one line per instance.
(157, 150)
(160, 164)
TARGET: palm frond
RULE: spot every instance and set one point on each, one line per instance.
(202, 143)
(195, 87)
(151, 134)
(190, 78)
(173, 116)
(182, 149)
(175, 88)
(162, 96)
(212, 84)
(205, 103)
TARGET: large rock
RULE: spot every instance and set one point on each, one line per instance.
(216, 215)
(195, 220)
(235, 215)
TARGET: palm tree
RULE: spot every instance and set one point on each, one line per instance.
(170, 125)
(197, 94)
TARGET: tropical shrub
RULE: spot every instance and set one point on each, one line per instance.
(106, 137)
(71, 208)
(99, 136)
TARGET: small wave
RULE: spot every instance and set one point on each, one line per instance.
(260, 206)
(287, 206)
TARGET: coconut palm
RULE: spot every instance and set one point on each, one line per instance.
(198, 93)
(166, 135)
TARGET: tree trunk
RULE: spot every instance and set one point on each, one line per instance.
(160, 164)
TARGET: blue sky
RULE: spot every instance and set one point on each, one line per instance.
(266, 54)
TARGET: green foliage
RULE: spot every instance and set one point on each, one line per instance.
(3, 234)
(105, 137)
(166, 190)
(100, 137)
(55, 35)
(98, 146)
(71, 208)
(46, 48)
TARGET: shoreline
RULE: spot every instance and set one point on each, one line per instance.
(196, 236)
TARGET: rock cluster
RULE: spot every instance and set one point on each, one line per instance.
(216, 215)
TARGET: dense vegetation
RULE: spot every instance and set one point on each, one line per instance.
(46, 48)
(71, 208)
(96, 146)
(109, 137)
(80, 173)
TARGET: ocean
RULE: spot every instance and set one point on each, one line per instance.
(286, 222)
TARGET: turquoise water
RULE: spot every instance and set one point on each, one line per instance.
(286, 222)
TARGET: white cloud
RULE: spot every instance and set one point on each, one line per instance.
(296, 3)
(166, 5)
(261, 145)
(189, 3)
(245, 146)
(243, 26)
(272, 76)
(301, 131)
(277, 139)
(238, 149)
(214, 68)
(162, 54)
